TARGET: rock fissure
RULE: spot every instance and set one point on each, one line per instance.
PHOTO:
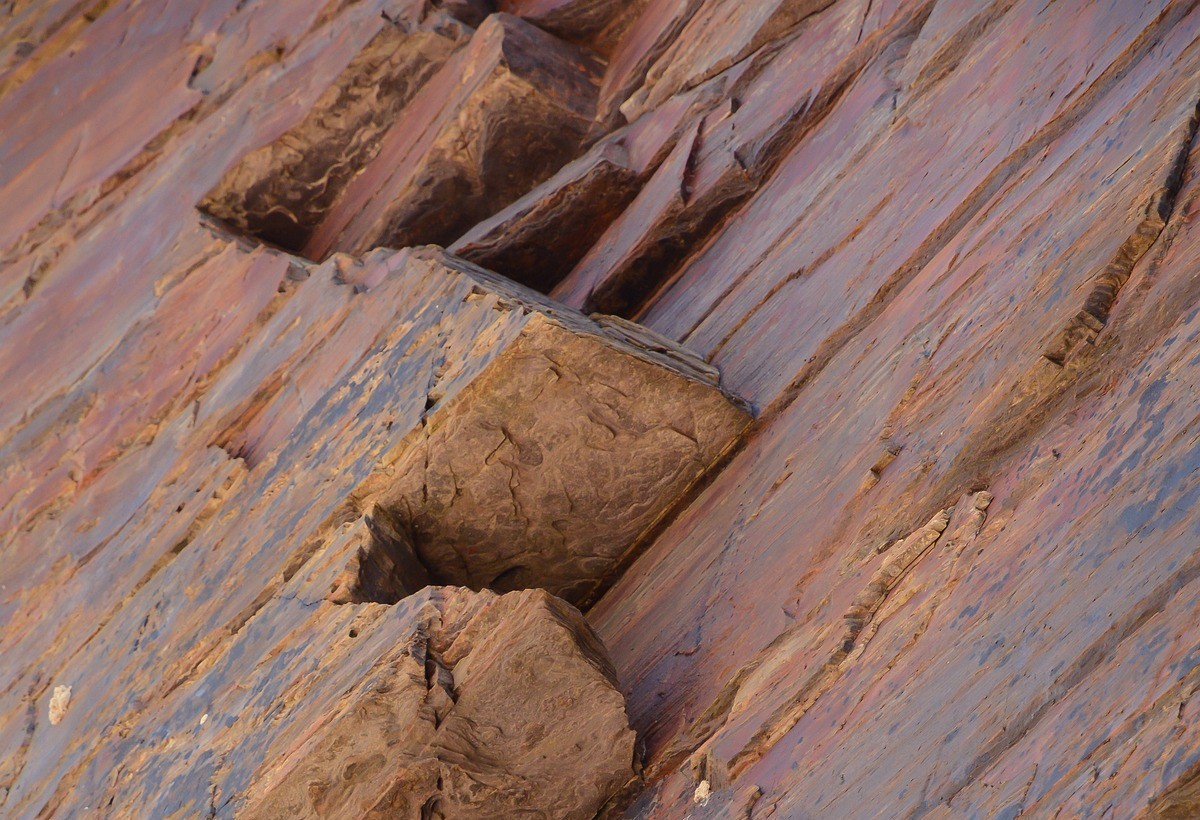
(1092, 318)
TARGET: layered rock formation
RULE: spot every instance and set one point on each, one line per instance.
(380, 424)
(879, 486)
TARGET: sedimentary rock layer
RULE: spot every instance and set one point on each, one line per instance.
(311, 474)
(945, 249)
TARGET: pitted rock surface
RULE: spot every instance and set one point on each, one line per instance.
(481, 706)
(945, 249)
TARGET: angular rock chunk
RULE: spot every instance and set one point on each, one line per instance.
(281, 192)
(546, 469)
(716, 167)
(541, 237)
(572, 19)
(718, 34)
(497, 705)
(501, 116)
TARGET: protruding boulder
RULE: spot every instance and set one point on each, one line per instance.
(495, 705)
(549, 466)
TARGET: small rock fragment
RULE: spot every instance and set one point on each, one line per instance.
(59, 702)
(703, 793)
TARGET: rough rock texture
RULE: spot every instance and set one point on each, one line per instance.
(281, 192)
(515, 676)
(945, 249)
(497, 119)
(554, 462)
(208, 561)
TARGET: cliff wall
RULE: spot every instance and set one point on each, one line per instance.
(837, 359)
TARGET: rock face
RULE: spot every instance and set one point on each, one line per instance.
(520, 676)
(418, 368)
(876, 471)
(550, 466)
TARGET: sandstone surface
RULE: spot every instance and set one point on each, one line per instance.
(880, 487)
(512, 675)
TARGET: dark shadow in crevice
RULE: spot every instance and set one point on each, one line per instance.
(385, 569)
(281, 192)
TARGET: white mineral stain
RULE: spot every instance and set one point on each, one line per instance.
(59, 702)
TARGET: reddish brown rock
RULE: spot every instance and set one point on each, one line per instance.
(718, 34)
(280, 193)
(538, 239)
(521, 676)
(499, 118)
(947, 248)
(599, 23)
(614, 275)
(651, 32)
(727, 153)
(174, 542)
(956, 329)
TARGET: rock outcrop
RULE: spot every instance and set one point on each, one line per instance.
(488, 707)
(669, 408)
(500, 116)
(310, 481)
(553, 464)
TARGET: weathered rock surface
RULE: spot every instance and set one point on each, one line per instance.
(281, 192)
(946, 249)
(555, 461)
(598, 22)
(279, 459)
(521, 677)
(196, 567)
(500, 117)
(541, 237)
